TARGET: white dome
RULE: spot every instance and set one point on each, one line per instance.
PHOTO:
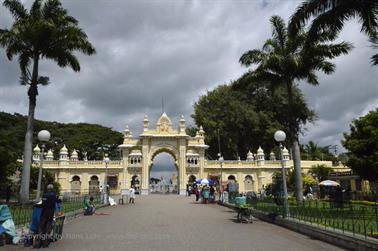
(74, 153)
(249, 155)
(285, 151)
(50, 154)
(64, 149)
(37, 149)
(260, 151)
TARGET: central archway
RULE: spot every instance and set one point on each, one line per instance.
(164, 174)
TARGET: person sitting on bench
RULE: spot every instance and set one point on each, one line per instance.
(88, 205)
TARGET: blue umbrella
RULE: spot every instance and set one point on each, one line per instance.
(212, 182)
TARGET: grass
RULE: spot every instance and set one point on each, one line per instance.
(357, 219)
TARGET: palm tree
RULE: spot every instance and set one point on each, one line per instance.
(332, 14)
(312, 150)
(46, 31)
(287, 58)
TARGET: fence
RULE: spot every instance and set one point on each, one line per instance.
(347, 218)
(22, 214)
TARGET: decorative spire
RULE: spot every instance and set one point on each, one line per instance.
(145, 123)
(249, 156)
(182, 125)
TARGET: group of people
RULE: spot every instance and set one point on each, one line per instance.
(206, 192)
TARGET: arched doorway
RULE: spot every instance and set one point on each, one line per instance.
(75, 184)
(94, 185)
(164, 175)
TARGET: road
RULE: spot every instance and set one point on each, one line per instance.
(171, 222)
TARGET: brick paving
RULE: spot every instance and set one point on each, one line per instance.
(171, 222)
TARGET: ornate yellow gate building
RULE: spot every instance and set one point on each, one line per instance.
(82, 176)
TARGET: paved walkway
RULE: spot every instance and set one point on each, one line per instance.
(171, 222)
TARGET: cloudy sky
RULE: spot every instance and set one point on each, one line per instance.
(177, 50)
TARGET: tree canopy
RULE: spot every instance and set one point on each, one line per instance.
(244, 118)
(362, 145)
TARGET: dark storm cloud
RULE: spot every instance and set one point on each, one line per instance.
(176, 51)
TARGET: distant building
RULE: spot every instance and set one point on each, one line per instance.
(82, 176)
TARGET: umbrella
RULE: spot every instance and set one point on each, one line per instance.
(204, 181)
(212, 182)
(329, 183)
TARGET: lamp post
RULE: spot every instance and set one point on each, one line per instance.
(221, 160)
(106, 195)
(280, 137)
(43, 136)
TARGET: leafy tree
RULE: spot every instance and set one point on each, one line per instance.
(45, 31)
(362, 145)
(309, 181)
(244, 118)
(321, 171)
(332, 14)
(287, 58)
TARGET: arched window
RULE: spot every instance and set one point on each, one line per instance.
(248, 183)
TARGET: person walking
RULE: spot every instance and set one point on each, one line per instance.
(132, 195)
(47, 216)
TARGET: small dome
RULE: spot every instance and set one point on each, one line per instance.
(249, 155)
(285, 151)
(36, 148)
(145, 118)
(260, 151)
(74, 153)
(272, 154)
(64, 149)
(50, 154)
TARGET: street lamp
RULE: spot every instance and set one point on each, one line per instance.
(106, 160)
(221, 160)
(43, 136)
(280, 137)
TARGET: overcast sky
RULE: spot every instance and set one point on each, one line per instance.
(177, 50)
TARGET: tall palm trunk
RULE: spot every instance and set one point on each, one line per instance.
(298, 170)
(295, 144)
(28, 147)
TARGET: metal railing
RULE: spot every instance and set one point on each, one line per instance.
(22, 214)
(338, 216)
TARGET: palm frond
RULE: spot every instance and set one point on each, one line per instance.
(16, 8)
(279, 31)
(35, 10)
(251, 57)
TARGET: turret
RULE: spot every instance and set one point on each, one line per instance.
(50, 156)
(63, 154)
(74, 156)
(272, 156)
(182, 126)
(260, 156)
(249, 156)
(146, 123)
(36, 153)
